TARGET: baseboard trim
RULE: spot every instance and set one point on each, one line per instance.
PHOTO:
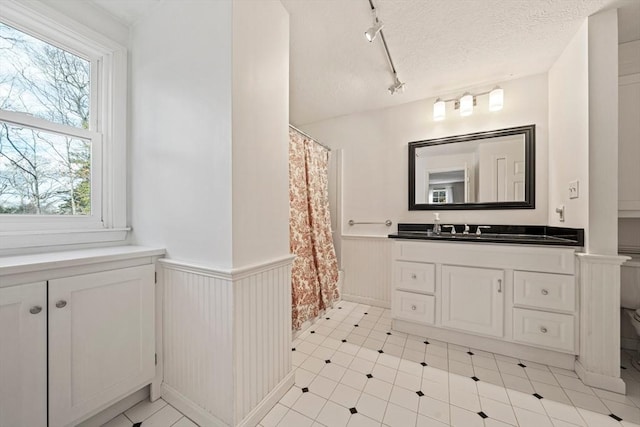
(192, 411)
(258, 413)
(519, 351)
(116, 409)
(604, 382)
(366, 300)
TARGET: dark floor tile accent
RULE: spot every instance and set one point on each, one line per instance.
(137, 425)
(423, 363)
(380, 351)
(344, 340)
(339, 308)
(305, 389)
(470, 353)
(355, 326)
(623, 367)
(388, 333)
(476, 379)
(327, 318)
(522, 365)
(353, 410)
(313, 332)
(420, 393)
(426, 342)
(538, 396)
(366, 313)
(293, 349)
(327, 361)
(615, 417)
(369, 376)
(483, 415)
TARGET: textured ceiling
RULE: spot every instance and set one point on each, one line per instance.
(439, 47)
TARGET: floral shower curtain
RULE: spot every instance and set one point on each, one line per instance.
(314, 274)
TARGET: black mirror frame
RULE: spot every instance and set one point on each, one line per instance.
(529, 202)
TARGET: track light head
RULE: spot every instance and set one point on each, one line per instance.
(373, 31)
(397, 86)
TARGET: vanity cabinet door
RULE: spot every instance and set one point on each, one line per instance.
(101, 340)
(473, 299)
(23, 356)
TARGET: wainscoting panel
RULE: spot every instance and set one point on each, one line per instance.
(598, 363)
(263, 335)
(198, 345)
(227, 340)
(366, 261)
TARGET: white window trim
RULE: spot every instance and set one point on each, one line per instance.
(111, 159)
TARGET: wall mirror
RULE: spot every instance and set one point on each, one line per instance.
(483, 170)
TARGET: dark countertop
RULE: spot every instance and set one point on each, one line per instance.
(511, 234)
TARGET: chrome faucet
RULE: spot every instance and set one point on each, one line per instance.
(478, 231)
(466, 229)
(452, 227)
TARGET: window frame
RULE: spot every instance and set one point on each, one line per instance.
(107, 133)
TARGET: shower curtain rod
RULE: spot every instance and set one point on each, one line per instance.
(310, 137)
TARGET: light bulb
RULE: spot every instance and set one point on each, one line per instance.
(439, 110)
(466, 104)
(496, 99)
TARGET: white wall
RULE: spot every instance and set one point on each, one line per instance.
(180, 162)
(374, 145)
(603, 133)
(569, 132)
(260, 132)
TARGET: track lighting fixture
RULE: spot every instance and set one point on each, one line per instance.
(467, 101)
(371, 34)
(373, 31)
(397, 85)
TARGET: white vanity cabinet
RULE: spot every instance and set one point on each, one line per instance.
(495, 297)
(23, 355)
(80, 338)
(473, 299)
(101, 339)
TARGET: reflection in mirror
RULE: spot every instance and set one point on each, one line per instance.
(487, 170)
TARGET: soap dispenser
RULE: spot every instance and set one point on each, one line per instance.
(436, 224)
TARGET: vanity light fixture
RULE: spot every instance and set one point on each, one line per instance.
(439, 109)
(467, 101)
(496, 99)
(466, 104)
(371, 34)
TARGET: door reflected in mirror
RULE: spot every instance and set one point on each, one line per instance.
(486, 170)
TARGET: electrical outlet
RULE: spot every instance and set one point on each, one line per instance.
(574, 192)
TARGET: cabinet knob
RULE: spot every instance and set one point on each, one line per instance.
(543, 329)
(61, 304)
(413, 307)
(35, 309)
(414, 276)
(499, 286)
(545, 292)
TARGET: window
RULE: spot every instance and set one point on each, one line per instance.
(439, 195)
(62, 135)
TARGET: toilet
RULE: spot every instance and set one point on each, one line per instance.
(630, 302)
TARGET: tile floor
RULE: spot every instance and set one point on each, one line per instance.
(352, 370)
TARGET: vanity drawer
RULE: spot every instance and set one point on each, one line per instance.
(414, 276)
(544, 329)
(543, 290)
(413, 307)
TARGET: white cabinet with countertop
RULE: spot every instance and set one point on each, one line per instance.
(90, 316)
(518, 300)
